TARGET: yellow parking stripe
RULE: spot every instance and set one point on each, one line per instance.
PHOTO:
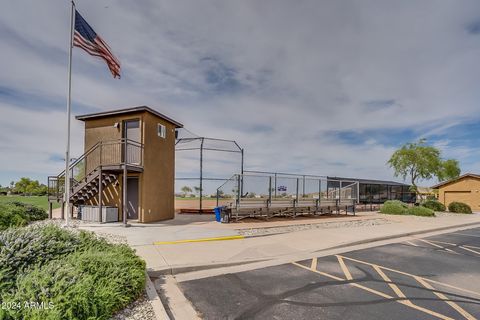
(313, 266)
(347, 273)
(455, 306)
(381, 294)
(392, 285)
(411, 243)
(200, 240)
(412, 275)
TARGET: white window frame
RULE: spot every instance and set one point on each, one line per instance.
(161, 130)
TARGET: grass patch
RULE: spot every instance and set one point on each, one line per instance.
(39, 201)
(17, 214)
(79, 275)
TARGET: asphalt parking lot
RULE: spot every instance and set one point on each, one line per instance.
(426, 278)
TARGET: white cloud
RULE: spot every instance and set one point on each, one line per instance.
(287, 75)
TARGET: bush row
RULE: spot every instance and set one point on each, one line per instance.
(400, 208)
(80, 275)
(17, 214)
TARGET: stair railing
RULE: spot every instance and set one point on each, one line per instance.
(103, 153)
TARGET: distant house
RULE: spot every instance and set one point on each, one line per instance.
(128, 165)
(378, 191)
(423, 193)
(465, 188)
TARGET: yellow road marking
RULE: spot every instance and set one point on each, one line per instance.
(468, 249)
(313, 266)
(412, 275)
(200, 240)
(381, 294)
(455, 306)
(319, 272)
(411, 243)
(392, 285)
(438, 246)
(347, 273)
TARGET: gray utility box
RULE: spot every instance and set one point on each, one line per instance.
(91, 213)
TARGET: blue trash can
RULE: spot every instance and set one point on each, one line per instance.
(218, 214)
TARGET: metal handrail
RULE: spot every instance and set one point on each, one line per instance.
(120, 157)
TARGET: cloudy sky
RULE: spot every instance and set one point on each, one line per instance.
(316, 87)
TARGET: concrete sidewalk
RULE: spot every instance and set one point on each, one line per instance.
(175, 258)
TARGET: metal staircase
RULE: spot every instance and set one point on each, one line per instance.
(96, 169)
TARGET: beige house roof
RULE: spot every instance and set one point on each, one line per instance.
(441, 184)
(424, 190)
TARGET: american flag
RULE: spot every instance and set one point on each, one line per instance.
(87, 39)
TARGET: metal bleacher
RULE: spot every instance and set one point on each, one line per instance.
(266, 195)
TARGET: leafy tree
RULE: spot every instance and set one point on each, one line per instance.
(449, 170)
(28, 186)
(418, 160)
(185, 190)
(22, 185)
(197, 189)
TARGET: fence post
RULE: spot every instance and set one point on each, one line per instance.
(319, 190)
(201, 173)
(303, 186)
(270, 189)
(238, 190)
(296, 196)
(275, 185)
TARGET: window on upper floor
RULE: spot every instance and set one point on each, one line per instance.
(161, 130)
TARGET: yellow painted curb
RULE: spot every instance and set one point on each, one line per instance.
(200, 240)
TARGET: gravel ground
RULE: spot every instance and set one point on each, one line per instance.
(324, 225)
(448, 214)
(75, 224)
(141, 309)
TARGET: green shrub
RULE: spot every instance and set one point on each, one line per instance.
(17, 214)
(420, 211)
(459, 207)
(394, 207)
(21, 248)
(434, 205)
(84, 285)
(84, 277)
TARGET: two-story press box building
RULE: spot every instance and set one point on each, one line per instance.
(133, 147)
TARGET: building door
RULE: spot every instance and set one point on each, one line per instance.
(458, 196)
(133, 135)
(132, 198)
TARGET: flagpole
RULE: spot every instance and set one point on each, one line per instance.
(69, 109)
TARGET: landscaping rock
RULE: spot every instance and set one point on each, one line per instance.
(324, 225)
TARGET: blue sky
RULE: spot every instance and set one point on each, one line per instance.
(315, 87)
